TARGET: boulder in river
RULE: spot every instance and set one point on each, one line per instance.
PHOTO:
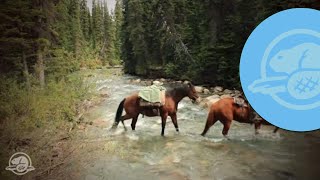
(199, 89)
(217, 89)
(206, 91)
(225, 96)
(237, 92)
(137, 80)
(227, 91)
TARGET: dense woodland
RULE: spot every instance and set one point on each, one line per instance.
(42, 42)
(55, 37)
(197, 40)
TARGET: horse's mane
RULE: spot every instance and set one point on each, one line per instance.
(177, 88)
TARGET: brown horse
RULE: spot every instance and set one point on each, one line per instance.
(172, 98)
(225, 110)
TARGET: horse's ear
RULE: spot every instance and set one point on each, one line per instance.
(187, 83)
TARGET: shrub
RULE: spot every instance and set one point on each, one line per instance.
(35, 107)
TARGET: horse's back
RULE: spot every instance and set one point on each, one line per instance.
(222, 108)
(131, 101)
(222, 104)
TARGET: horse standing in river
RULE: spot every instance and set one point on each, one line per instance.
(225, 110)
(172, 98)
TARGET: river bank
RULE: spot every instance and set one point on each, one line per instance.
(49, 144)
(208, 94)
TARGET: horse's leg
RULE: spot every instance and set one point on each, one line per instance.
(257, 126)
(226, 127)
(123, 118)
(174, 121)
(133, 123)
(276, 129)
(210, 121)
(163, 119)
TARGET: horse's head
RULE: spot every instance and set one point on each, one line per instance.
(192, 93)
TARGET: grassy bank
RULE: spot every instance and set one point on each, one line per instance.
(38, 121)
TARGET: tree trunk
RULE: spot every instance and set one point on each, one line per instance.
(40, 67)
(25, 69)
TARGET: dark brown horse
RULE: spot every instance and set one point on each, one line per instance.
(172, 98)
(225, 110)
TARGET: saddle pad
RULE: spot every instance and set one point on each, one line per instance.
(144, 103)
(153, 94)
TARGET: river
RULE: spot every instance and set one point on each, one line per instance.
(144, 154)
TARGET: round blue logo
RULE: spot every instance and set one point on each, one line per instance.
(280, 69)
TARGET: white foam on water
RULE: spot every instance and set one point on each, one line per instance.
(155, 126)
(181, 105)
(114, 132)
(176, 159)
(103, 81)
(215, 140)
(132, 136)
(101, 87)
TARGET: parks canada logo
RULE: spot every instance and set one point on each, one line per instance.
(20, 164)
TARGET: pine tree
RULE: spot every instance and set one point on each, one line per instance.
(126, 46)
(109, 38)
(45, 35)
(77, 34)
(85, 19)
(17, 38)
(97, 24)
(63, 25)
(94, 24)
(118, 20)
(137, 35)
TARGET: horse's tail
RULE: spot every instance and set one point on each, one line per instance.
(119, 113)
(210, 121)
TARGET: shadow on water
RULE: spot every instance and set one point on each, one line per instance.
(144, 154)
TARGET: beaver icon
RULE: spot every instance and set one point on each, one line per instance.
(303, 56)
(300, 67)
